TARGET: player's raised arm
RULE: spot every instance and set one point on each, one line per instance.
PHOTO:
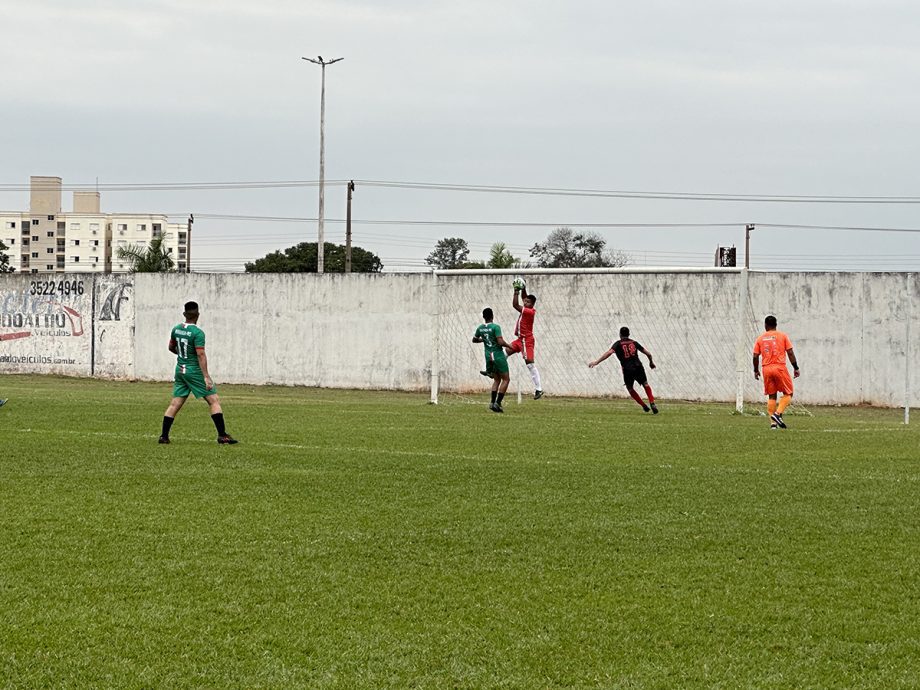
(516, 302)
(600, 359)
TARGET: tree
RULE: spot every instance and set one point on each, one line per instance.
(500, 257)
(4, 259)
(565, 248)
(154, 258)
(450, 252)
(301, 258)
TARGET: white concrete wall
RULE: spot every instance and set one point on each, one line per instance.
(354, 331)
(114, 326)
(378, 331)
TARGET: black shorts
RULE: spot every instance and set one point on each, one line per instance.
(633, 375)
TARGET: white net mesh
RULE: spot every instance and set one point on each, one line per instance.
(688, 321)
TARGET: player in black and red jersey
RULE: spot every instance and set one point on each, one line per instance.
(627, 351)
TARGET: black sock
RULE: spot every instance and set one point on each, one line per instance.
(501, 396)
(167, 422)
(218, 420)
(494, 393)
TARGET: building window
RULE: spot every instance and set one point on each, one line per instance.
(122, 227)
(74, 243)
(49, 250)
(122, 243)
(35, 221)
(34, 255)
(75, 259)
(94, 227)
(11, 241)
(141, 227)
(34, 270)
(11, 224)
(74, 226)
(50, 217)
(35, 238)
(50, 233)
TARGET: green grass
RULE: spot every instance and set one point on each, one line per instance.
(367, 539)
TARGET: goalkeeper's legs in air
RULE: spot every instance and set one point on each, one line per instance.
(525, 345)
(535, 377)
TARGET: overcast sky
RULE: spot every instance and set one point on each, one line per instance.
(710, 96)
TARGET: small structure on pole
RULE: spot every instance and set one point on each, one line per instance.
(351, 189)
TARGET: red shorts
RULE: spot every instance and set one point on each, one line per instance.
(525, 344)
(777, 380)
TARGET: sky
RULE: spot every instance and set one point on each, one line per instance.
(726, 97)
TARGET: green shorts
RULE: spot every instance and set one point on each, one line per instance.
(496, 364)
(191, 382)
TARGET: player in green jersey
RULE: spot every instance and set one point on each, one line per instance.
(490, 335)
(186, 341)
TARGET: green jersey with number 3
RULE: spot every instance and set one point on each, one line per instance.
(490, 333)
(188, 337)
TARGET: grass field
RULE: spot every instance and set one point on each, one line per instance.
(367, 539)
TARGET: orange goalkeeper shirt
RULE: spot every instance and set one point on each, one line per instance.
(772, 346)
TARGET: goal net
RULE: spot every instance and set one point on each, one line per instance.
(697, 323)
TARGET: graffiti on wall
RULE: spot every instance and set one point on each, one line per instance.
(111, 304)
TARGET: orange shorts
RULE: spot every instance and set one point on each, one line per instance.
(777, 380)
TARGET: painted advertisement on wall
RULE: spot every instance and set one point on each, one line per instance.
(46, 324)
(113, 355)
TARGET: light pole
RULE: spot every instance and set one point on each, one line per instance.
(322, 157)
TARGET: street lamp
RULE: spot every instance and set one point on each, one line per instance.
(322, 157)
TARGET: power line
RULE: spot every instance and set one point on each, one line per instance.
(541, 224)
(491, 189)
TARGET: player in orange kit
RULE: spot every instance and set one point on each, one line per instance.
(770, 350)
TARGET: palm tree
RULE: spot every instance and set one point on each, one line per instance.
(501, 257)
(152, 259)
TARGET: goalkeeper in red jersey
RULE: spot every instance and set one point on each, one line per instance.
(627, 351)
(523, 329)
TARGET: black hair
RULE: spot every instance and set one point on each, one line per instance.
(770, 322)
(487, 314)
(532, 296)
(624, 332)
(191, 306)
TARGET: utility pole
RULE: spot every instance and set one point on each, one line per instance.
(188, 244)
(351, 188)
(322, 158)
(748, 229)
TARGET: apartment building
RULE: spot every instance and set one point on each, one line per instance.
(85, 240)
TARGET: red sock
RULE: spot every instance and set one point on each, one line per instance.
(648, 392)
(636, 396)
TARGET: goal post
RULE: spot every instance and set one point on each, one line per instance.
(697, 322)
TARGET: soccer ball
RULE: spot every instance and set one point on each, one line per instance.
(518, 283)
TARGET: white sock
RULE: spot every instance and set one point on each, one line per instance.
(534, 375)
